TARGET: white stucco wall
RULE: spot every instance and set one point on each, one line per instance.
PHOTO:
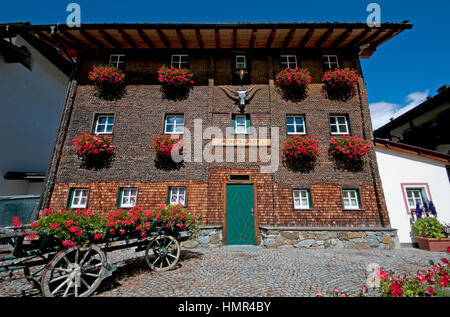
(31, 103)
(397, 168)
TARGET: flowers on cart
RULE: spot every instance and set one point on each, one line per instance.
(76, 227)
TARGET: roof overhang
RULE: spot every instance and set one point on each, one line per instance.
(412, 150)
(326, 35)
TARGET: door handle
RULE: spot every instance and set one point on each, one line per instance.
(251, 210)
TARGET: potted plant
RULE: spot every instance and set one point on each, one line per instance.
(339, 83)
(293, 82)
(94, 150)
(430, 234)
(109, 81)
(175, 82)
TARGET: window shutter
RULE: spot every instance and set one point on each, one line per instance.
(169, 195)
(119, 200)
(309, 199)
(233, 122)
(69, 205)
(247, 123)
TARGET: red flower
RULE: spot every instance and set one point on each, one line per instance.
(73, 229)
(98, 236)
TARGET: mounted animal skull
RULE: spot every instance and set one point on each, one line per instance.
(240, 95)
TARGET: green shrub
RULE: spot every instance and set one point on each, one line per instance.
(429, 228)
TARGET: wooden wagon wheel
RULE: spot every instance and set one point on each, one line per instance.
(75, 272)
(162, 253)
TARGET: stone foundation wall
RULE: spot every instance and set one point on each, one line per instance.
(208, 237)
(337, 239)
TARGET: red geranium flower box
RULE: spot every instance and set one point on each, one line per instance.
(90, 146)
(165, 145)
(349, 148)
(173, 76)
(298, 147)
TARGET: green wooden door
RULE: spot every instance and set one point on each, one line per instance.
(240, 215)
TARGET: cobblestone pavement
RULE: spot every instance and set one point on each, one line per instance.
(259, 272)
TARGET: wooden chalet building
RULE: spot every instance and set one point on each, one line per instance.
(239, 204)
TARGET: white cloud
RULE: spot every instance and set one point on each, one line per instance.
(382, 111)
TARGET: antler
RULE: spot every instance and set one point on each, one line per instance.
(249, 97)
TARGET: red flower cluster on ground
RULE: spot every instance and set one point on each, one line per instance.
(349, 147)
(175, 76)
(293, 77)
(301, 147)
(101, 74)
(87, 145)
(340, 78)
(166, 145)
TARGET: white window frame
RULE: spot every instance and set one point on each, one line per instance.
(176, 191)
(97, 123)
(421, 199)
(175, 124)
(127, 193)
(299, 200)
(295, 125)
(176, 61)
(119, 62)
(287, 63)
(241, 65)
(79, 194)
(236, 130)
(346, 195)
(337, 124)
(328, 63)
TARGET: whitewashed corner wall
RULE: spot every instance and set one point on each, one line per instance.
(397, 168)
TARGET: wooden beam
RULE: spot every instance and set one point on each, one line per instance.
(289, 38)
(373, 36)
(358, 38)
(271, 37)
(253, 38)
(199, 38)
(306, 38)
(109, 39)
(324, 37)
(385, 37)
(217, 36)
(234, 38)
(73, 39)
(341, 38)
(127, 38)
(181, 38)
(91, 39)
(163, 38)
(145, 38)
(65, 42)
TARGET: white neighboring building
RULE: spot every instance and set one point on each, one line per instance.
(33, 85)
(409, 175)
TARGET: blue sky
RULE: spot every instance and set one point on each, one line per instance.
(399, 75)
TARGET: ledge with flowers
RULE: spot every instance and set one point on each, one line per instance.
(95, 151)
(109, 80)
(293, 83)
(339, 84)
(349, 151)
(175, 82)
(169, 151)
(301, 152)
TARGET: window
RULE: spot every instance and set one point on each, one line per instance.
(177, 195)
(241, 124)
(330, 62)
(104, 124)
(117, 60)
(78, 198)
(241, 62)
(414, 196)
(174, 124)
(301, 199)
(180, 61)
(351, 199)
(339, 125)
(289, 61)
(295, 125)
(127, 197)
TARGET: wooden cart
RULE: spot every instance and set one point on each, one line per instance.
(78, 271)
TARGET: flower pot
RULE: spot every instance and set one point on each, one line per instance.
(431, 244)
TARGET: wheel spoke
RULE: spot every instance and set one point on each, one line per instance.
(67, 289)
(84, 282)
(59, 278)
(91, 274)
(77, 252)
(85, 255)
(157, 258)
(66, 259)
(62, 269)
(59, 287)
(167, 260)
(171, 255)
